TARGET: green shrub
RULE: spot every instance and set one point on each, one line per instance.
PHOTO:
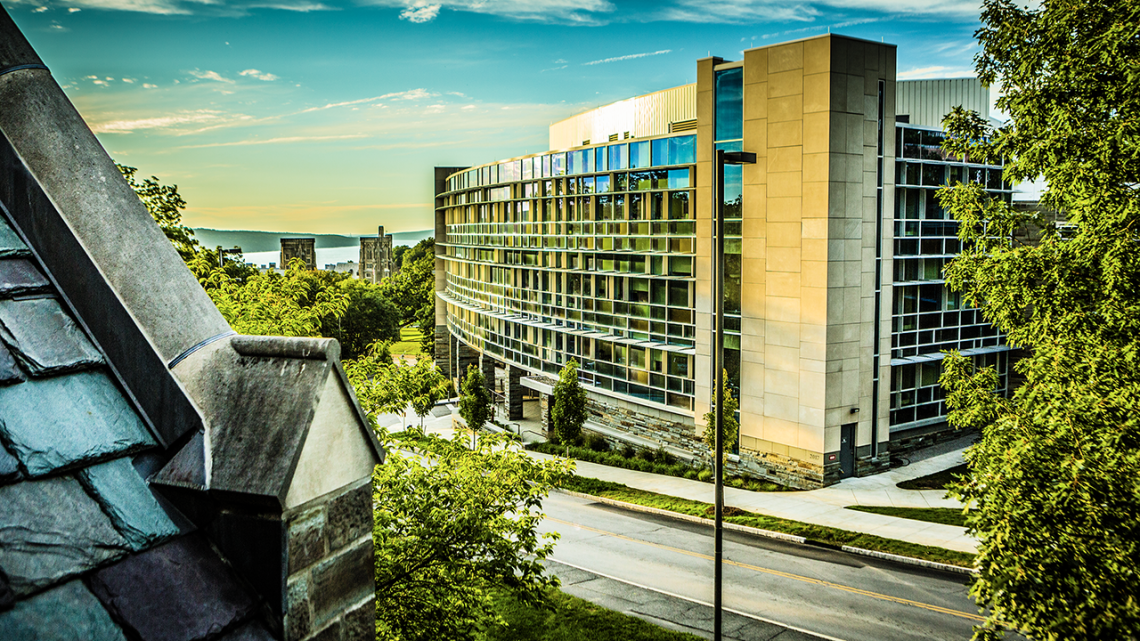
(597, 443)
(627, 451)
(705, 475)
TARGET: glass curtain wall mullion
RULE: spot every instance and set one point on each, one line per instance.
(729, 136)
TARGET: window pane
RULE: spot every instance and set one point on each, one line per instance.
(682, 150)
(730, 104)
(639, 155)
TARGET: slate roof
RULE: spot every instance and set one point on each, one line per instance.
(85, 546)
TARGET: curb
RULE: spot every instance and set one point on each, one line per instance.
(769, 534)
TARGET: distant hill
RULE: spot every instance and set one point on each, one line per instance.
(263, 241)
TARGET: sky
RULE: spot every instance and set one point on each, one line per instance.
(328, 116)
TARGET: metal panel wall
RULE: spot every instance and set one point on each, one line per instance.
(928, 101)
(647, 115)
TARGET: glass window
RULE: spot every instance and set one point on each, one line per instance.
(730, 104)
(558, 164)
(678, 178)
(660, 152)
(618, 157)
(588, 185)
(546, 167)
(640, 181)
(602, 184)
(600, 159)
(679, 205)
(639, 155)
(682, 150)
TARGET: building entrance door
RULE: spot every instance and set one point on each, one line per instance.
(847, 450)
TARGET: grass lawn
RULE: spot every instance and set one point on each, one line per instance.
(943, 515)
(817, 534)
(937, 481)
(409, 343)
(573, 619)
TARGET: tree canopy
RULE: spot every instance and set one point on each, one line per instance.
(1054, 484)
(730, 427)
(568, 405)
(452, 524)
(475, 401)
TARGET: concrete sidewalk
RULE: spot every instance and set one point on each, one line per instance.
(824, 507)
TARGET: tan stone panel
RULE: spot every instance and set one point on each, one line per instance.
(752, 301)
(752, 226)
(855, 95)
(785, 57)
(817, 55)
(780, 432)
(780, 383)
(781, 406)
(788, 184)
(785, 134)
(835, 249)
(815, 201)
(756, 200)
(784, 209)
(704, 228)
(813, 249)
(836, 204)
(704, 152)
(752, 405)
(704, 245)
(751, 343)
(853, 123)
(811, 441)
(853, 168)
(704, 107)
(810, 415)
(815, 227)
(783, 284)
(784, 234)
(834, 274)
(813, 305)
(835, 310)
(756, 137)
(785, 159)
(814, 272)
(755, 100)
(781, 333)
(754, 247)
(783, 259)
(704, 176)
(817, 130)
(755, 66)
(752, 269)
(782, 309)
(813, 357)
(817, 92)
(785, 108)
(837, 132)
(814, 166)
(752, 327)
(785, 83)
(853, 207)
(871, 105)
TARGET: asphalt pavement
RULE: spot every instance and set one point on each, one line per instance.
(796, 588)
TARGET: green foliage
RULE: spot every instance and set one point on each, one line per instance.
(369, 317)
(371, 378)
(270, 304)
(165, 206)
(412, 289)
(943, 480)
(475, 401)
(730, 428)
(451, 525)
(943, 515)
(568, 405)
(571, 619)
(1054, 484)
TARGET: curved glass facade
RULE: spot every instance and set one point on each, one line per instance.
(584, 254)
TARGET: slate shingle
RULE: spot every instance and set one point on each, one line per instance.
(50, 530)
(7, 599)
(53, 423)
(43, 338)
(253, 631)
(10, 243)
(9, 373)
(9, 467)
(178, 591)
(18, 276)
(66, 613)
(126, 499)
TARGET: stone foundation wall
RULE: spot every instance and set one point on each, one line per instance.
(443, 350)
(778, 468)
(330, 590)
(906, 442)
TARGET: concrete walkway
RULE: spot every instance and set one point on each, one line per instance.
(824, 507)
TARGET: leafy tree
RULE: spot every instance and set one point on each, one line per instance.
(269, 304)
(398, 255)
(475, 402)
(423, 385)
(568, 405)
(730, 427)
(372, 379)
(412, 289)
(165, 206)
(1054, 484)
(369, 317)
(452, 525)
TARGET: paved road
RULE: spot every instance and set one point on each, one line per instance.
(814, 589)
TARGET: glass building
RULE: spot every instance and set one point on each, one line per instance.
(835, 312)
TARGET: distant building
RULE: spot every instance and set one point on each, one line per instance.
(303, 248)
(376, 256)
(350, 267)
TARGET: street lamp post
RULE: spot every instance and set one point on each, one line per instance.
(722, 158)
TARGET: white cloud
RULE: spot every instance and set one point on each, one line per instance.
(147, 85)
(583, 12)
(74, 10)
(629, 57)
(411, 94)
(233, 8)
(129, 81)
(924, 73)
(254, 73)
(201, 116)
(276, 141)
(420, 12)
(39, 9)
(210, 75)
